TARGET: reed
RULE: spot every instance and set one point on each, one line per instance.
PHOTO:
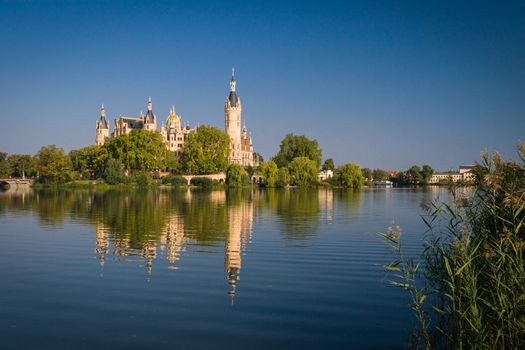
(472, 287)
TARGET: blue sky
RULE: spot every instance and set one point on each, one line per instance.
(382, 84)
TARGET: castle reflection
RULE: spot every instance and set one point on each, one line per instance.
(161, 226)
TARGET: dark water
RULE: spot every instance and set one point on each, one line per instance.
(200, 270)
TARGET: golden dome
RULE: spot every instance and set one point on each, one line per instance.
(173, 120)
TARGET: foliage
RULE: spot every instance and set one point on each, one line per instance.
(143, 179)
(84, 159)
(202, 182)
(295, 146)
(22, 164)
(474, 261)
(139, 150)
(379, 175)
(328, 164)
(270, 172)
(367, 173)
(236, 176)
(5, 168)
(206, 151)
(283, 178)
(114, 172)
(426, 173)
(176, 181)
(414, 175)
(257, 158)
(349, 175)
(53, 165)
(405, 272)
(303, 171)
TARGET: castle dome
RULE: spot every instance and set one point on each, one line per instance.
(173, 120)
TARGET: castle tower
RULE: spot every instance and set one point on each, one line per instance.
(150, 120)
(102, 127)
(232, 123)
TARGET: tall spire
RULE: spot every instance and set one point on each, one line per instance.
(150, 105)
(232, 81)
(102, 111)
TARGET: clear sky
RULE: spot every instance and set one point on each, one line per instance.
(379, 83)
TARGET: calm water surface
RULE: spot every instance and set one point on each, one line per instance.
(202, 270)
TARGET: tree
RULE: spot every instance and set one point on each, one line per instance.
(379, 175)
(53, 165)
(303, 171)
(22, 164)
(83, 160)
(236, 176)
(283, 178)
(349, 175)
(295, 146)
(257, 158)
(206, 151)
(329, 164)
(139, 150)
(270, 172)
(414, 174)
(426, 173)
(5, 168)
(114, 172)
(367, 174)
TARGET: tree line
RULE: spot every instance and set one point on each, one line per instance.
(134, 157)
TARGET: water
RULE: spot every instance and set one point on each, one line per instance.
(192, 269)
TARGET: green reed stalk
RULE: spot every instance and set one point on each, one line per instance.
(474, 263)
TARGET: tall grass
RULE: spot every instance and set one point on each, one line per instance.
(473, 280)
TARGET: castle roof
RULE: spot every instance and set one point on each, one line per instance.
(233, 99)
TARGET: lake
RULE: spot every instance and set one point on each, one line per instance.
(193, 269)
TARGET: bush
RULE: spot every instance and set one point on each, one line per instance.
(176, 181)
(114, 172)
(236, 176)
(143, 179)
(202, 182)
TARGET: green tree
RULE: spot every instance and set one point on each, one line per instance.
(83, 160)
(349, 175)
(270, 172)
(236, 176)
(303, 171)
(114, 172)
(283, 178)
(367, 174)
(329, 164)
(257, 158)
(5, 168)
(22, 164)
(206, 151)
(426, 173)
(414, 174)
(53, 165)
(139, 150)
(143, 179)
(379, 175)
(295, 146)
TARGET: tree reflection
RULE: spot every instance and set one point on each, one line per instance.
(164, 224)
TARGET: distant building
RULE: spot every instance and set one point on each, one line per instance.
(325, 175)
(464, 174)
(175, 134)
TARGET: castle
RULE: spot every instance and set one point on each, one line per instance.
(175, 134)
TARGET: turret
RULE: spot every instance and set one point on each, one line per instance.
(150, 120)
(232, 122)
(102, 127)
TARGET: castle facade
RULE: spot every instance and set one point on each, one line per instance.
(175, 134)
